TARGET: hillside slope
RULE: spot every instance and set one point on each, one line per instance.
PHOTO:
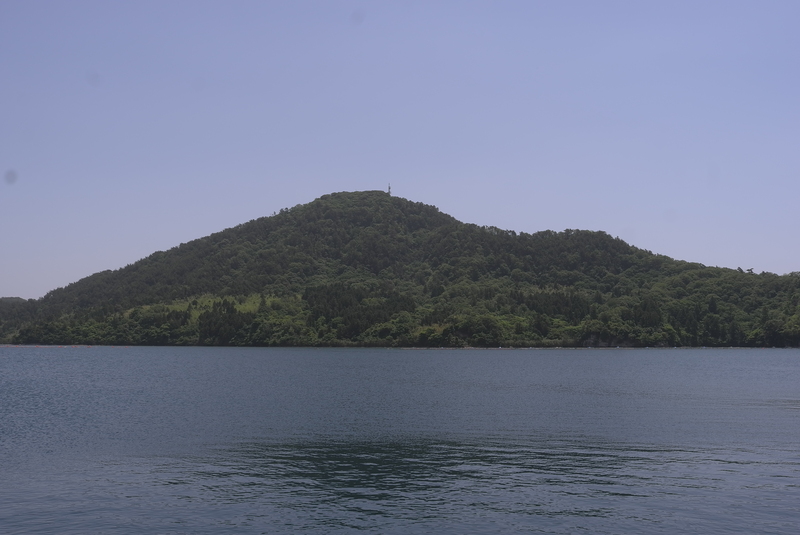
(366, 268)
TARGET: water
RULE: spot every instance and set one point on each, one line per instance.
(225, 440)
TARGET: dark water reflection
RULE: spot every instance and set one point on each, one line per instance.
(489, 486)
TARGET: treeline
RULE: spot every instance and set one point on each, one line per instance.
(369, 269)
(465, 314)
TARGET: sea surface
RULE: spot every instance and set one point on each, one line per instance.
(250, 440)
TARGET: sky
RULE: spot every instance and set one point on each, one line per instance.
(133, 126)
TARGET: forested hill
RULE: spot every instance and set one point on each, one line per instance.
(366, 268)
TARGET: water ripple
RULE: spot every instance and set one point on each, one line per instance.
(450, 486)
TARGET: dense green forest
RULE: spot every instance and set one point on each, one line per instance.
(369, 269)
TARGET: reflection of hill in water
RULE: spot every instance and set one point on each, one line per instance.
(478, 486)
(398, 465)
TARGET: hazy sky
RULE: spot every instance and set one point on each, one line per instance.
(130, 127)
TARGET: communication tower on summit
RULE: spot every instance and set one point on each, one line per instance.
(390, 188)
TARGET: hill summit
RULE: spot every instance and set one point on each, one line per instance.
(369, 269)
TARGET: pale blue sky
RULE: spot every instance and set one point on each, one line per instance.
(130, 127)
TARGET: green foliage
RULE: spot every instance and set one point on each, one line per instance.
(369, 269)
